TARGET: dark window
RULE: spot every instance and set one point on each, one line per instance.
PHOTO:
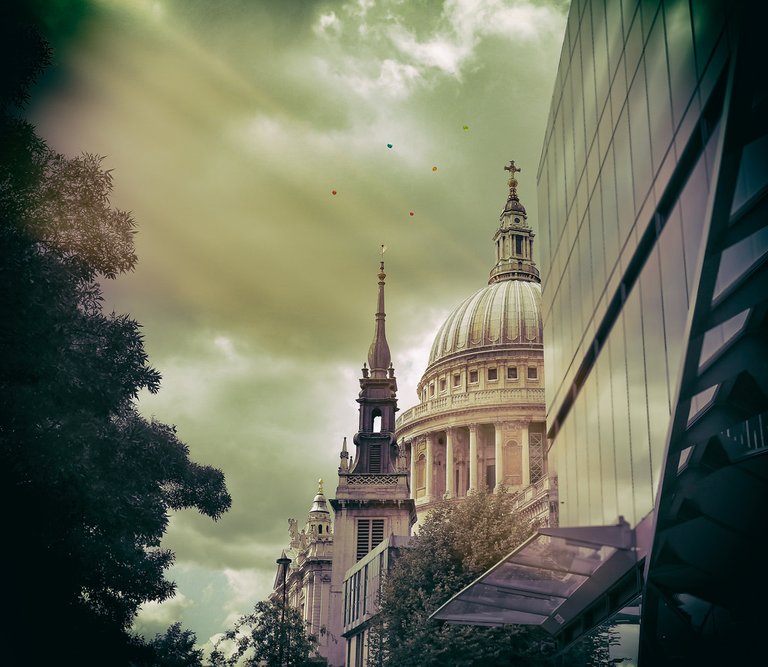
(375, 459)
(511, 372)
(473, 376)
(456, 380)
(370, 533)
(533, 373)
(490, 476)
(493, 374)
(442, 384)
(431, 388)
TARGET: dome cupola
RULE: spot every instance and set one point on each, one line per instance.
(514, 239)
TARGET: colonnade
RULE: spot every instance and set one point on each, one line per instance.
(465, 453)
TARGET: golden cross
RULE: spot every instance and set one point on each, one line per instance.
(511, 168)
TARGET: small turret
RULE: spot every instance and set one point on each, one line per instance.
(319, 520)
(344, 457)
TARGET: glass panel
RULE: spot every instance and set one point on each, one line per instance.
(584, 263)
(692, 206)
(659, 101)
(622, 444)
(592, 445)
(615, 34)
(588, 74)
(568, 159)
(718, 337)
(558, 554)
(638, 405)
(642, 176)
(700, 403)
(605, 424)
(682, 73)
(570, 502)
(670, 246)
(656, 365)
(513, 573)
(634, 46)
(579, 443)
(624, 184)
(600, 53)
(739, 258)
(753, 172)
(610, 214)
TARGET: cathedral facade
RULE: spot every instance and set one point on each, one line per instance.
(479, 422)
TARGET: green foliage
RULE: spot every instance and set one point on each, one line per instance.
(87, 482)
(174, 648)
(457, 542)
(270, 636)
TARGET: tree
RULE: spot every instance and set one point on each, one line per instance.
(457, 542)
(87, 483)
(257, 638)
(174, 648)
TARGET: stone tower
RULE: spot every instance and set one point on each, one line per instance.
(373, 496)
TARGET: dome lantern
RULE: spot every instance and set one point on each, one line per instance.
(513, 238)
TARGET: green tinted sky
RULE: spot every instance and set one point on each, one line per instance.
(228, 125)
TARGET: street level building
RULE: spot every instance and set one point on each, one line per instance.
(653, 189)
(362, 591)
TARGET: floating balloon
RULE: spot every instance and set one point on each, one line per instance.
(412, 214)
(466, 127)
(434, 168)
(389, 145)
(333, 192)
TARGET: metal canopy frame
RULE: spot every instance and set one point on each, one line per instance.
(549, 580)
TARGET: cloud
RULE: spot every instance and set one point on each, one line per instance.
(227, 130)
(155, 617)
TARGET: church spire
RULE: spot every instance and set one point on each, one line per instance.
(378, 401)
(379, 357)
(514, 238)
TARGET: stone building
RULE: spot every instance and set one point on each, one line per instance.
(307, 562)
(480, 417)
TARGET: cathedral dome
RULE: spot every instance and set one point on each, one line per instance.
(503, 313)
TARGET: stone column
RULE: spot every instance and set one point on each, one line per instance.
(412, 449)
(526, 457)
(499, 445)
(473, 462)
(450, 482)
(430, 490)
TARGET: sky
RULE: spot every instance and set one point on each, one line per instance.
(229, 126)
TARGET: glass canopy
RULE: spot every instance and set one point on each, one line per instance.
(548, 580)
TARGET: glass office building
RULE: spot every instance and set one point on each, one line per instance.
(652, 197)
